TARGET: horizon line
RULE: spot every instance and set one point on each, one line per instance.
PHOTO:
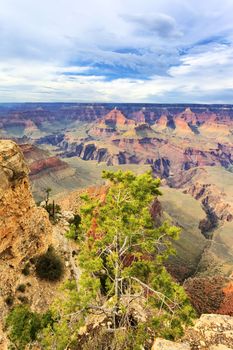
(119, 103)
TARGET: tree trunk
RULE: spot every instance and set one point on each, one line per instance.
(53, 214)
(117, 285)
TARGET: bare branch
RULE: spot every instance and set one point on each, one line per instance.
(160, 295)
(124, 248)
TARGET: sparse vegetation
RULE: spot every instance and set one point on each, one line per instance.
(206, 293)
(23, 326)
(75, 223)
(53, 209)
(26, 269)
(72, 233)
(21, 288)
(23, 299)
(76, 220)
(49, 266)
(9, 300)
(47, 196)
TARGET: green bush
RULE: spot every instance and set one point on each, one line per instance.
(21, 288)
(76, 220)
(26, 269)
(9, 300)
(47, 319)
(23, 299)
(23, 326)
(49, 266)
(72, 233)
(75, 223)
(53, 210)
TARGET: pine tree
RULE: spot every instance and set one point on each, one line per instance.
(122, 254)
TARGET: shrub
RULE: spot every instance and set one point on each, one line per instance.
(26, 269)
(32, 260)
(54, 210)
(72, 233)
(21, 288)
(23, 299)
(74, 227)
(23, 326)
(76, 220)
(205, 293)
(49, 266)
(47, 319)
(9, 300)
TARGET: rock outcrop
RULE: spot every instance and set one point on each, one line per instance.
(210, 332)
(23, 225)
(40, 161)
(213, 200)
(162, 344)
(205, 185)
(25, 230)
(170, 145)
(116, 119)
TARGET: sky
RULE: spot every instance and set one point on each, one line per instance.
(150, 51)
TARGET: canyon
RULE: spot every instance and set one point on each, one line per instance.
(66, 147)
(168, 138)
(189, 147)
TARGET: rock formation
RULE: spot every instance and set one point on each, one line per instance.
(182, 136)
(25, 230)
(172, 144)
(162, 123)
(50, 164)
(210, 332)
(116, 119)
(182, 126)
(47, 170)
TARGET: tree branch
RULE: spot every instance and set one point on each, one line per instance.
(160, 295)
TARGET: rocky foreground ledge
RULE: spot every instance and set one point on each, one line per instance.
(210, 332)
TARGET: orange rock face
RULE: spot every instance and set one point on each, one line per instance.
(111, 124)
(189, 116)
(162, 122)
(139, 116)
(25, 229)
(117, 117)
(51, 163)
(182, 125)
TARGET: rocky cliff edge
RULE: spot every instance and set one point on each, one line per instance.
(25, 230)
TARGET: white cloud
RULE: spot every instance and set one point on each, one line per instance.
(69, 50)
(35, 82)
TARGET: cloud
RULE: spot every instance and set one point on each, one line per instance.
(201, 77)
(156, 51)
(216, 61)
(158, 23)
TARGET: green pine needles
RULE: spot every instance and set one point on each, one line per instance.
(123, 280)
